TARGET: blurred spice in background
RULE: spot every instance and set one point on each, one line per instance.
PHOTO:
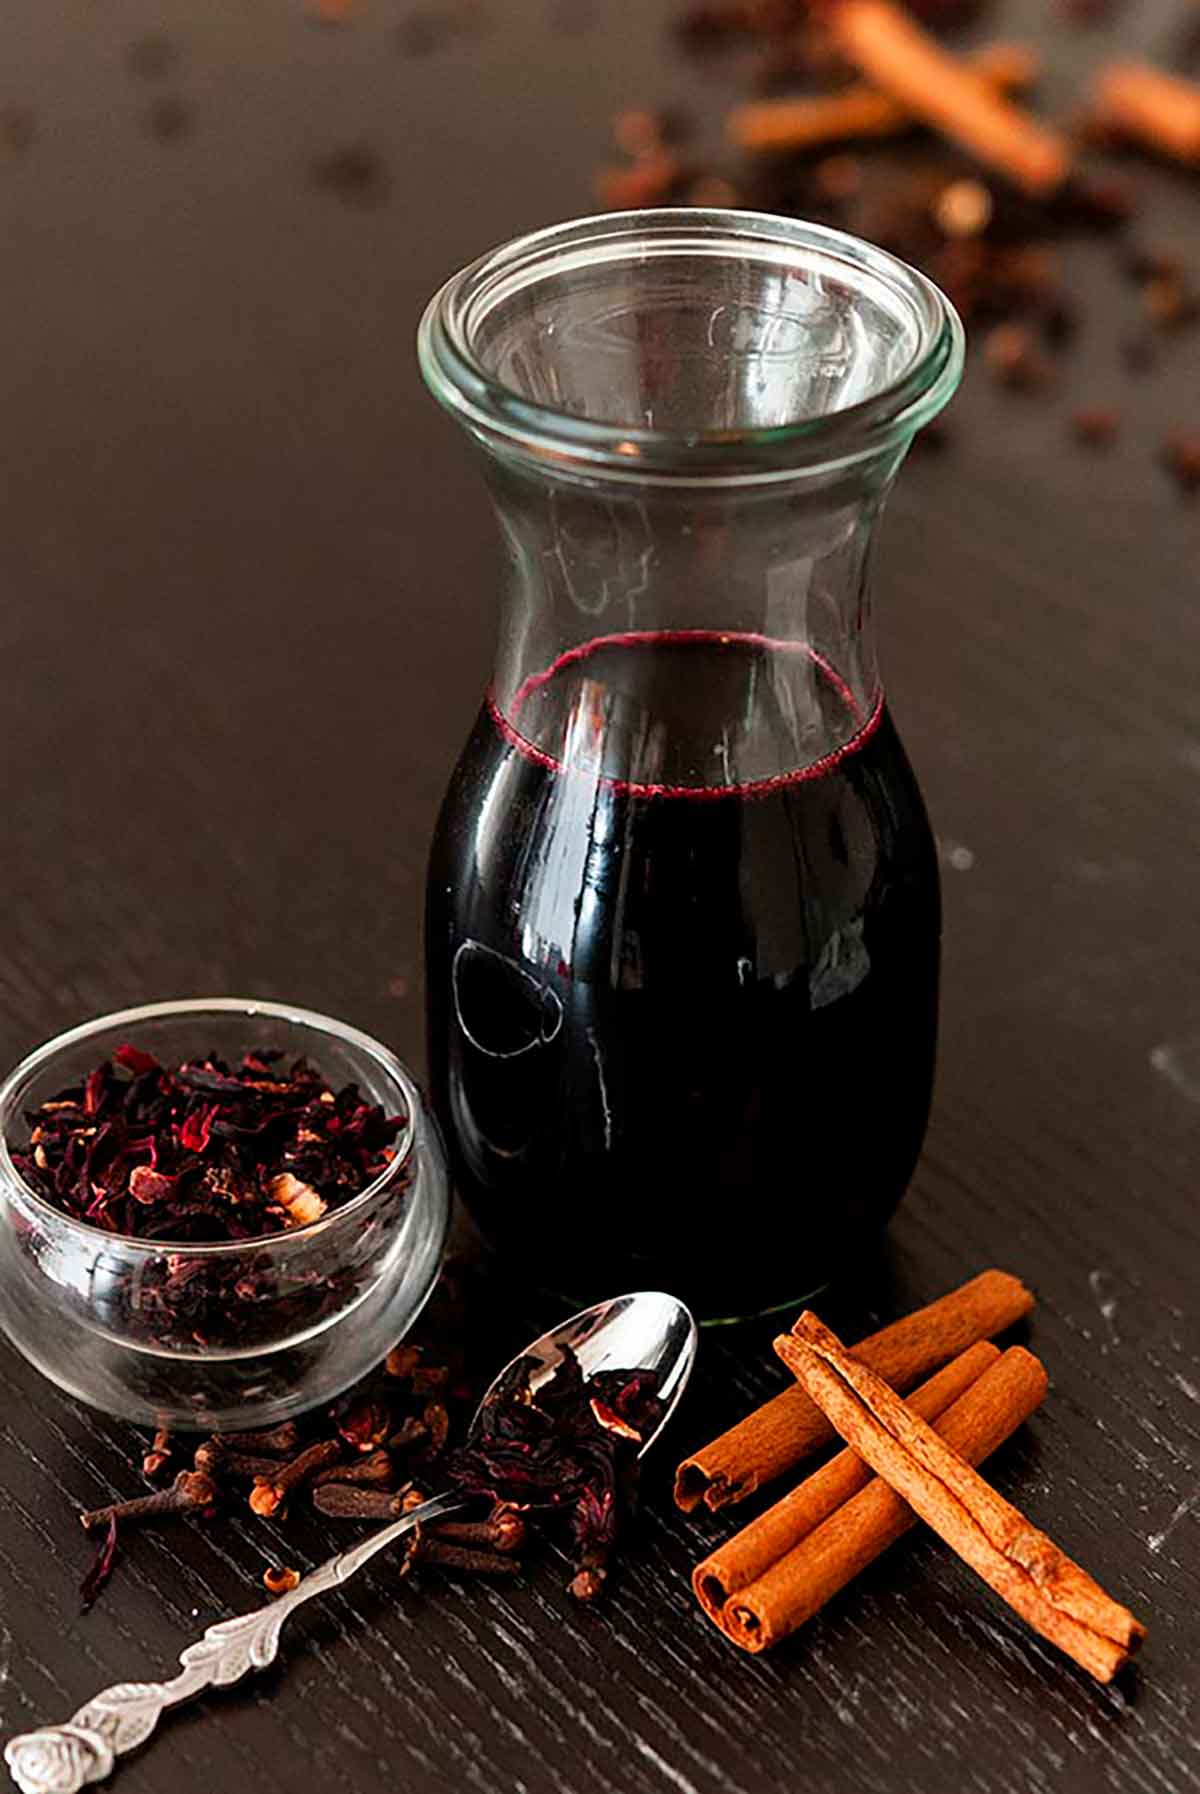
(984, 193)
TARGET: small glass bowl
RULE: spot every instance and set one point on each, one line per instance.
(289, 1321)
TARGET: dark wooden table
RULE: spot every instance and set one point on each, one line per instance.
(246, 614)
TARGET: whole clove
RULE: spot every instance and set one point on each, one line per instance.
(435, 1553)
(215, 1458)
(503, 1530)
(375, 1472)
(192, 1491)
(274, 1440)
(347, 1501)
(269, 1494)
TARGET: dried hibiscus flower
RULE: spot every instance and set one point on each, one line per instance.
(203, 1152)
(565, 1454)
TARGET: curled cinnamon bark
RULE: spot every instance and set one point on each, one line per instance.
(1148, 106)
(894, 54)
(751, 1552)
(863, 111)
(786, 1429)
(796, 1587)
(1023, 1566)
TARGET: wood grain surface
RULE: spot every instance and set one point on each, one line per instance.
(246, 613)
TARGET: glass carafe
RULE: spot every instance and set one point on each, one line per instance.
(683, 919)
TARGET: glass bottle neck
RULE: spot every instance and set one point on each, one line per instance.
(688, 641)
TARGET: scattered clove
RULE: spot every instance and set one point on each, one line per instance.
(346, 1501)
(375, 1472)
(434, 1553)
(215, 1458)
(268, 1496)
(191, 1491)
(503, 1530)
(279, 1439)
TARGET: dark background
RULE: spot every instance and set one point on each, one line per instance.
(245, 612)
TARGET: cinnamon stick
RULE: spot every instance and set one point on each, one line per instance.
(800, 1583)
(895, 55)
(786, 1429)
(1023, 1566)
(1138, 101)
(745, 1557)
(862, 111)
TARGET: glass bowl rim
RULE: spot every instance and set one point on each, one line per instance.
(14, 1187)
(748, 456)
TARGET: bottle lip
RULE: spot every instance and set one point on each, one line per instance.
(510, 422)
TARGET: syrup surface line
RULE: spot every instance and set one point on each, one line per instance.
(699, 793)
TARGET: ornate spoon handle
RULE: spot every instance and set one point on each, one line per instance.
(60, 1759)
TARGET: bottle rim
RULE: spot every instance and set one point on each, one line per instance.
(509, 422)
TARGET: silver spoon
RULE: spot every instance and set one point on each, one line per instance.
(648, 1331)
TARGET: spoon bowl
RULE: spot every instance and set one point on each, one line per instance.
(648, 1330)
